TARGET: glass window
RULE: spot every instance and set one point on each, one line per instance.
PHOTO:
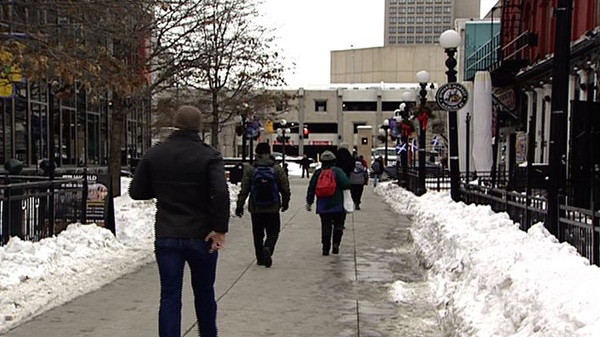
(429, 10)
(402, 39)
(393, 20)
(402, 30)
(428, 39)
(402, 20)
(420, 9)
(392, 30)
(402, 10)
(428, 29)
(437, 19)
(437, 29)
(447, 19)
(410, 30)
(410, 20)
(419, 19)
(419, 30)
(393, 10)
(393, 1)
(410, 39)
(320, 105)
(438, 10)
(419, 39)
(410, 10)
(447, 9)
(429, 19)
(392, 39)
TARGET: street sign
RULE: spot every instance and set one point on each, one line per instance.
(452, 96)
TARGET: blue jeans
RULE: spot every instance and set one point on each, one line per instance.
(376, 179)
(171, 256)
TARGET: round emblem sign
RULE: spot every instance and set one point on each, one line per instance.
(452, 96)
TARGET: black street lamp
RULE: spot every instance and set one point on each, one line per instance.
(404, 113)
(422, 78)
(384, 131)
(281, 134)
(450, 40)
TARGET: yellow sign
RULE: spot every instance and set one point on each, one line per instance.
(6, 88)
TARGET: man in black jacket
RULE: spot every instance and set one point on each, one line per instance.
(265, 216)
(187, 178)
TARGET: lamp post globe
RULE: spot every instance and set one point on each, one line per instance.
(423, 76)
(450, 39)
(407, 96)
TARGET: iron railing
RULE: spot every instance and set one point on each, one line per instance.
(27, 203)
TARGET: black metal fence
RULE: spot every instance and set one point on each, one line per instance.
(579, 227)
(34, 208)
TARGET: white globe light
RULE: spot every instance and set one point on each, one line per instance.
(386, 122)
(407, 96)
(450, 39)
(288, 131)
(423, 76)
(283, 122)
(381, 132)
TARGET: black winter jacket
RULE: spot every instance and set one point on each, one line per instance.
(283, 185)
(187, 177)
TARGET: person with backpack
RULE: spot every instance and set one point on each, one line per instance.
(359, 177)
(377, 168)
(327, 185)
(267, 188)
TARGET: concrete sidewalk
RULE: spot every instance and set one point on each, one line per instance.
(302, 294)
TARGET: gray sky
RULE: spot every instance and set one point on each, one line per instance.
(309, 29)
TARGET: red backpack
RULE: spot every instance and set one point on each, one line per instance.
(326, 184)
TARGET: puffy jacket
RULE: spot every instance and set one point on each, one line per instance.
(187, 178)
(283, 185)
(335, 203)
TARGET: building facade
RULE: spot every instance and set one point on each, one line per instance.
(422, 21)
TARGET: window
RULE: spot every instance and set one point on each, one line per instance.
(402, 10)
(410, 39)
(428, 39)
(402, 30)
(393, 1)
(437, 29)
(419, 39)
(447, 9)
(429, 10)
(393, 10)
(447, 19)
(320, 105)
(437, 19)
(392, 20)
(402, 39)
(429, 19)
(410, 20)
(410, 30)
(392, 40)
(359, 106)
(410, 10)
(419, 30)
(392, 30)
(419, 19)
(428, 29)
(420, 9)
(402, 20)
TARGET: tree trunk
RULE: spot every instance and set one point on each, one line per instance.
(214, 125)
(117, 124)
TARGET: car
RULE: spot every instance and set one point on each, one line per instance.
(430, 168)
(380, 151)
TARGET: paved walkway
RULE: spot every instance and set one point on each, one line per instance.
(303, 294)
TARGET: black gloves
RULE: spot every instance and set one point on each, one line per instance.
(239, 212)
(284, 207)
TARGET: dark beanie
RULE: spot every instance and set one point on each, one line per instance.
(263, 148)
(187, 118)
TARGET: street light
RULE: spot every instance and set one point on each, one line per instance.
(385, 127)
(450, 40)
(281, 133)
(422, 78)
(407, 97)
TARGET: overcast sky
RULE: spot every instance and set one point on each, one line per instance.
(309, 30)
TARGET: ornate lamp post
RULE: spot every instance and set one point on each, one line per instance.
(281, 134)
(450, 40)
(423, 79)
(384, 130)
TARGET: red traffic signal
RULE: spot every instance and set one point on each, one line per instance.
(305, 132)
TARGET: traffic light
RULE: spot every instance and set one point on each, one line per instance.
(305, 132)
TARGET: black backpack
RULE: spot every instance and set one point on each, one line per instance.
(264, 190)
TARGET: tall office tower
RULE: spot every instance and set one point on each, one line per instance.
(422, 21)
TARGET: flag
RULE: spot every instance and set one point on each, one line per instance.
(435, 141)
(414, 145)
(401, 147)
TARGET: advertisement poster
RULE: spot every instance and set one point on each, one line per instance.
(521, 148)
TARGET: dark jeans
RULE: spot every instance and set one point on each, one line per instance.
(332, 223)
(265, 223)
(171, 256)
(356, 191)
(305, 170)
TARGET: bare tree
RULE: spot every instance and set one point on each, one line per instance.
(238, 63)
(130, 49)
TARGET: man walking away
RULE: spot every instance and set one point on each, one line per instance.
(268, 187)
(305, 165)
(377, 170)
(359, 177)
(187, 178)
(330, 201)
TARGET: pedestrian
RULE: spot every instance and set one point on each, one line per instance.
(378, 169)
(330, 206)
(305, 165)
(267, 188)
(363, 161)
(359, 177)
(187, 178)
(344, 159)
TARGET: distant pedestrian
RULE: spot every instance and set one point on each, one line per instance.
(363, 161)
(359, 177)
(268, 188)
(305, 165)
(187, 177)
(344, 159)
(330, 206)
(378, 170)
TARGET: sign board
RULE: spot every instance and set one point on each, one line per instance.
(452, 96)
(320, 142)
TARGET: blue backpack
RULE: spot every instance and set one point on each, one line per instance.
(264, 190)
